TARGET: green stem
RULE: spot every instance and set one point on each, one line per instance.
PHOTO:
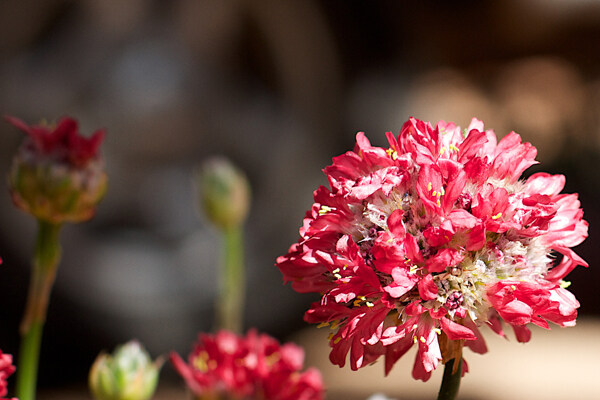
(451, 380)
(230, 305)
(45, 263)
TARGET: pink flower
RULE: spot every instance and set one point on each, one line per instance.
(252, 367)
(429, 239)
(6, 369)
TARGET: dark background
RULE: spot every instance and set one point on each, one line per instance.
(279, 87)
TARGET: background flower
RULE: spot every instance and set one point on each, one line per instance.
(6, 369)
(254, 366)
(57, 174)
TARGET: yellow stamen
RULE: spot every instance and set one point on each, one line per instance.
(325, 209)
(392, 153)
(200, 362)
(565, 284)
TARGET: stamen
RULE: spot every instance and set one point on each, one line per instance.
(565, 284)
(325, 209)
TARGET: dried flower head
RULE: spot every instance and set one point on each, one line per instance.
(423, 242)
(57, 175)
(255, 366)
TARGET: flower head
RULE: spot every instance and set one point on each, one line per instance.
(128, 374)
(423, 242)
(254, 366)
(57, 175)
(6, 369)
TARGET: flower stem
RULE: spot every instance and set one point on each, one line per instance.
(230, 305)
(45, 263)
(451, 380)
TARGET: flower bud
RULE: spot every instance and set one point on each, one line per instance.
(224, 193)
(127, 374)
(57, 175)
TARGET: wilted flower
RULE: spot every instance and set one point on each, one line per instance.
(6, 369)
(57, 175)
(224, 192)
(227, 366)
(128, 374)
(427, 240)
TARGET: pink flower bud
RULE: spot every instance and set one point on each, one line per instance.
(57, 175)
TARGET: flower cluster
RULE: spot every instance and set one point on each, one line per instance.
(6, 369)
(227, 366)
(57, 174)
(427, 240)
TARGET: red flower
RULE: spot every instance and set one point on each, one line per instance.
(6, 369)
(432, 238)
(254, 367)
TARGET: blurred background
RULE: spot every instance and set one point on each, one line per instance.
(279, 87)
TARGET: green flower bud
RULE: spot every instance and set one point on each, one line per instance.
(127, 374)
(224, 193)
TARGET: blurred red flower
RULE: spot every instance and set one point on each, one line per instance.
(254, 366)
(6, 369)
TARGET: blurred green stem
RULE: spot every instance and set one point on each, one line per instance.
(45, 263)
(451, 380)
(230, 303)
